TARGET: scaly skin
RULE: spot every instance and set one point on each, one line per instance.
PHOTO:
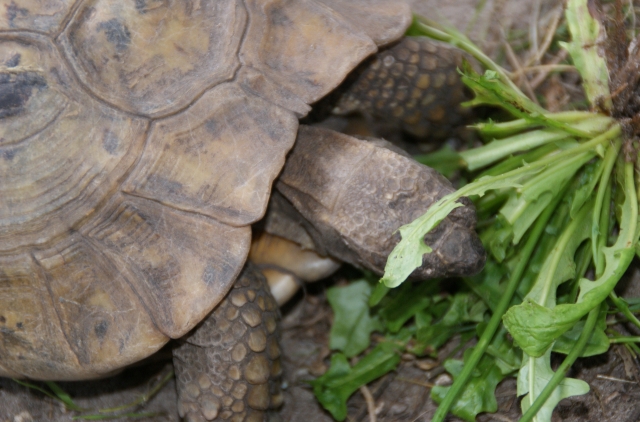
(228, 368)
(414, 83)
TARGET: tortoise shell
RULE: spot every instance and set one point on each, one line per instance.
(138, 142)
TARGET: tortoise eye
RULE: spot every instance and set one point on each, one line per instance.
(16, 88)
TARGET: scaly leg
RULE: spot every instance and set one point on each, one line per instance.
(228, 368)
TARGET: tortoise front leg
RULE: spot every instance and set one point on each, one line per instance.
(228, 367)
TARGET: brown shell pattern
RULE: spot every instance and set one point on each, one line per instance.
(138, 142)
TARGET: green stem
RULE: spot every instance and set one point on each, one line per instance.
(624, 308)
(496, 318)
(112, 412)
(143, 398)
(504, 129)
(584, 49)
(597, 243)
(516, 161)
(431, 29)
(498, 149)
(624, 340)
(583, 260)
(556, 256)
(68, 404)
(559, 375)
(631, 347)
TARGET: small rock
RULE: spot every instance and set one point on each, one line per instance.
(23, 417)
(444, 379)
(397, 409)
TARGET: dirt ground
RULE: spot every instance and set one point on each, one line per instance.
(403, 395)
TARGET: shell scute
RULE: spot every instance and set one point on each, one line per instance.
(31, 340)
(180, 264)
(218, 158)
(153, 58)
(304, 46)
(103, 320)
(383, 20)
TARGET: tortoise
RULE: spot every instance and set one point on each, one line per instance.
(139, 140)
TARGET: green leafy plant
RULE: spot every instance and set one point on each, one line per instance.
(557, 200)
(370, 306)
